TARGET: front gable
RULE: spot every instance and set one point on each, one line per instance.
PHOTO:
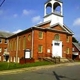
(58, 27)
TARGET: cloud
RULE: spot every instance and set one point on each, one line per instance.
(77, 22)
(37, 19)
(27, 12)
(15, 15)
(19, 30)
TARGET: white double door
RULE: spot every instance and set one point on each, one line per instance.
(56, 48)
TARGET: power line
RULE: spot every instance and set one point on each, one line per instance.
(2, 3)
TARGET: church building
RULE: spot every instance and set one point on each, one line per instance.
(51, 38)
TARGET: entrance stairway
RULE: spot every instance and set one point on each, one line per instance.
(57, 60)
(64, 60)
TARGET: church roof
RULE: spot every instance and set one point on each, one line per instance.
(66, 29)
(5, 34)
(77, 45)
(39, 27)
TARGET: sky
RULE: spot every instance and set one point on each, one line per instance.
(18, 15)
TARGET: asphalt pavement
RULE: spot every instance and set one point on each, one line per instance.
(68, 71)
(37, 68)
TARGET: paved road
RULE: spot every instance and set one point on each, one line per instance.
(56, 73)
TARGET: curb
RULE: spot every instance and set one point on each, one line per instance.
(37, 68)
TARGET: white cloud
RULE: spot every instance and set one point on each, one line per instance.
(15, 15)
(17, 31)
(37, 19)
(77, 22)
(27, 12)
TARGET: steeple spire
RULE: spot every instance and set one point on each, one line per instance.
(56, 11)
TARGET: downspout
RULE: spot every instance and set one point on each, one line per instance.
(17, 51)
(32, 43)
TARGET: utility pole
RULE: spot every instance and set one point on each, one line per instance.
(2, 3)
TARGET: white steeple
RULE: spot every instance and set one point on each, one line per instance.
(55, 11)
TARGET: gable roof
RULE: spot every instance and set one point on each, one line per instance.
(4, 34)
(77, 45)
(64, 27)
(49, 28)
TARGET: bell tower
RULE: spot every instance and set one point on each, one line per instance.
(53, 11)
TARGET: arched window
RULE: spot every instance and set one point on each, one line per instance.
(19, 43)
(57, 37)
(29, 37)
(57, 8)
(24, 43)
(48, 8)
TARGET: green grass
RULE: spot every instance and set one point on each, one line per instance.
(10, 66)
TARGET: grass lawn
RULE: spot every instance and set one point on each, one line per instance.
(10, 66)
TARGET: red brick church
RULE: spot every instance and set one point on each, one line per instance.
(51, 38)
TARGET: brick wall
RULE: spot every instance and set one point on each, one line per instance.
(3, 46)
(46, 42)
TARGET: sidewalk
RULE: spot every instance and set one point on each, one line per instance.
(37, 68)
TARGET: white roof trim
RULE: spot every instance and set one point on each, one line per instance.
(65, 28)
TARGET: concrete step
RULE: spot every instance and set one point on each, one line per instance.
(63, 60)
(57, 60)
(49, 59)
